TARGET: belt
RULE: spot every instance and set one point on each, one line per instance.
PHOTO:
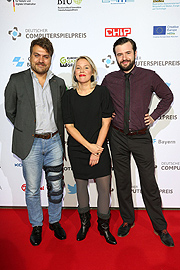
(46, 136)
(134, 132)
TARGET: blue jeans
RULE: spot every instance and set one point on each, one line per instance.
(47, 153)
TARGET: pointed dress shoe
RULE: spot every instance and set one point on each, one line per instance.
(58, 230)
(124, 229)
(35, 237)
(166, 238)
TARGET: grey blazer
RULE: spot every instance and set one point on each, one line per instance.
(20, 109)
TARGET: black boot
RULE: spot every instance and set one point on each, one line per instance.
(103, 227)
(85, 224)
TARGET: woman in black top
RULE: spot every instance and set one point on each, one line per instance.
(87, 110)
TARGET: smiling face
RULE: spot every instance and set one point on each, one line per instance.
(40, 60)
(83, 71)
(125, 56)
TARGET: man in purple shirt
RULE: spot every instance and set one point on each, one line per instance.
(133, 136)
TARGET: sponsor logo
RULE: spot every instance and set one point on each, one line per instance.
(21, 3)
(13, 1)
(17, 61)
(170, 166)
(72, 189)
(162, 142)
(165, 4)
(165, 142)
(18, 164)
(156, 63)
(165, 31)
(168, 117)
(166, 191)
(117, 32)
(135, 190)
(23, 187)
(67, 168)
(117, 1)
(69, 5)
(39, 33)
(108, 61)
(67, 62)
(159, 30)
(14, 33)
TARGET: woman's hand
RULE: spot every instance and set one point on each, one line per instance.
(95, 149)
(94, 159)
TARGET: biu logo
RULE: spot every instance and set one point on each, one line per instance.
(17, 62)
(72, 189)
(154, 140)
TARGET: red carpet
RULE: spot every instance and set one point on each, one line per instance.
(141, 249)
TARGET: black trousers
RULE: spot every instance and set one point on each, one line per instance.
(141, 148)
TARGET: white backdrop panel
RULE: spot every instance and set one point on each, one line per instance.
(77, 27)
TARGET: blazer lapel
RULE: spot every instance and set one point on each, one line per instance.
(30, 89)
(53, 86)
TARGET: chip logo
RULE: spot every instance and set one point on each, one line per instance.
(117, 32)
(23, 187)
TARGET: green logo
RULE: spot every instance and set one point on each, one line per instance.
(63, 60)
(78, 2)
(67, 62)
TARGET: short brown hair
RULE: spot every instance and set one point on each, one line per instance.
(123, 40)
(44, 43)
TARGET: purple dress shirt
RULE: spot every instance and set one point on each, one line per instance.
(143, 83)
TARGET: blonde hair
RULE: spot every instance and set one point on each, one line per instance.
(94, 71)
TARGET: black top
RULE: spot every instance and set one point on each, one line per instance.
(86, 112)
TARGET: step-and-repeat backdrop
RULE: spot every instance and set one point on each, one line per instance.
(90, 27)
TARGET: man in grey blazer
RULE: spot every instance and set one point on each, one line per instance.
(33, 105)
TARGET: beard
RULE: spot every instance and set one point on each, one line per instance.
(128, 67)
(40, 68)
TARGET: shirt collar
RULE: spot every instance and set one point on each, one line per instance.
(132, 71)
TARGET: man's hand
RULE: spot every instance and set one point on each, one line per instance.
(113, 115)
(148, 120)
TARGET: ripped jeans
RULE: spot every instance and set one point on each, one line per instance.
(47, 155)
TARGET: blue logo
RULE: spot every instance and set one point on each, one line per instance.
(108, 61)
(17, 61)
(14, 33)
(72, 189)
(18, 164)
(116, 1)
(168, 84)
(154, 140)
(159, 30)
